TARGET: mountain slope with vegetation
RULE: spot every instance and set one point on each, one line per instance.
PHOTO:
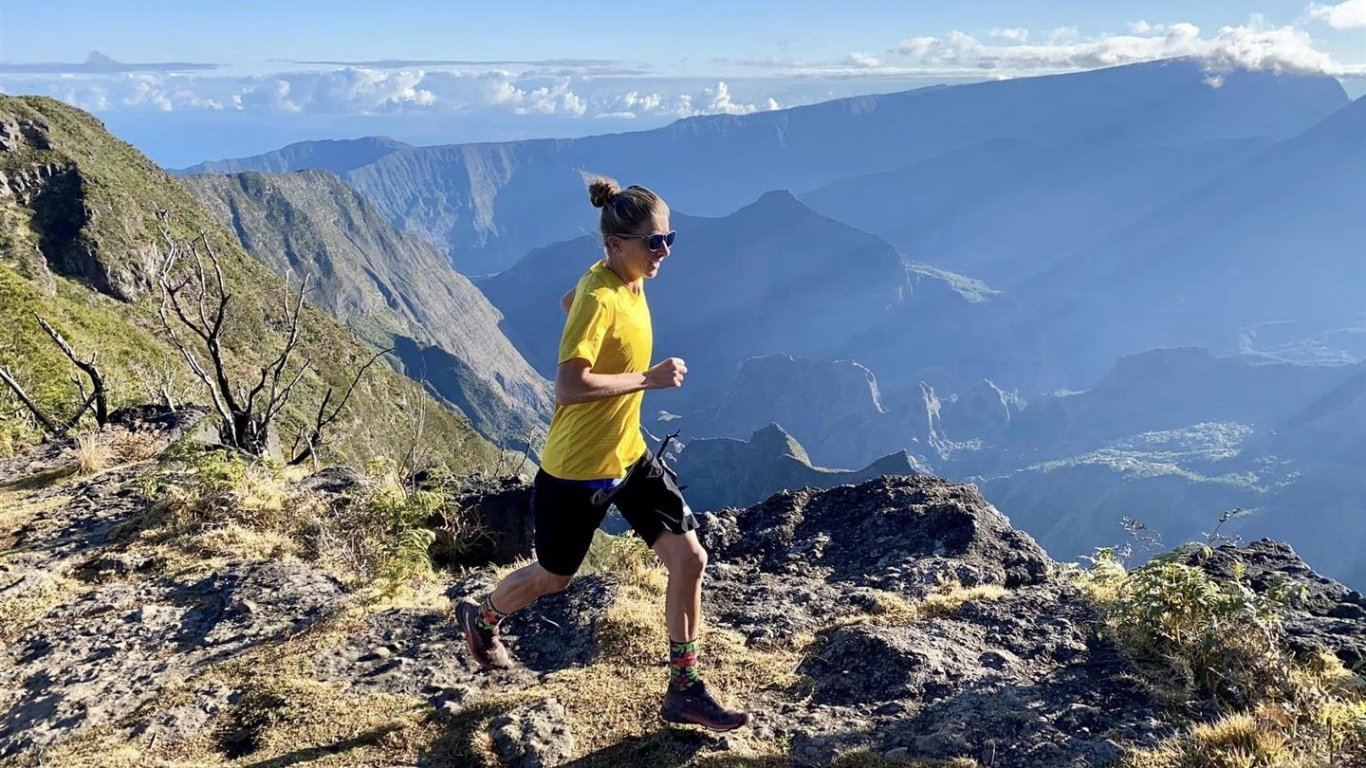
(84, 227)
(391, 288)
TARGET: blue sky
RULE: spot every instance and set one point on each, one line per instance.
(432, 72)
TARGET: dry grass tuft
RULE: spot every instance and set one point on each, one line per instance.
(302, 720)
(93, 454)
(129, 447)
(893, 610)
(22, 611)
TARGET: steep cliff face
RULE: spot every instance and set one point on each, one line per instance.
(391, 288)
(54, 194)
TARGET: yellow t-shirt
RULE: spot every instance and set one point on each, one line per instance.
(609, 326)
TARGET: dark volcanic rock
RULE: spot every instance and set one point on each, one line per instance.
(113, 649)
(502, 508)
(332, 481)
(557, 630)
(421, 652)
(155, 416)
(1321, 615)
(900, 533)
(1021, 681)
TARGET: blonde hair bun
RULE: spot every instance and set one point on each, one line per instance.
(602, 191)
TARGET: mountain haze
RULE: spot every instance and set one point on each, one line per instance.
(773, 277)
(486, 205)
(1279, 237)
(1006, 210)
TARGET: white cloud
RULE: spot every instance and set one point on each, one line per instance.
(146, 91)
(1013, 34)
(1350, 14)
(633, 103)
(556, 99)
(716, 100)
(1139, 27)
(862, 61)
(1183, 31)
(721, 103)
(1063, 34)
(1251, 46)
(363, 90)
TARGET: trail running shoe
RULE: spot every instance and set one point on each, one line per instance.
(483, 643)
(696, 706)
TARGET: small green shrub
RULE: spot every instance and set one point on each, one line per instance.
(1220, 639)
(201, 489)
(1218, 636)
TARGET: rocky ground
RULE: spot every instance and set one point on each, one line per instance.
(899, 620)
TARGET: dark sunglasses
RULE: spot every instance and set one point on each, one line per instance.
(654, 242)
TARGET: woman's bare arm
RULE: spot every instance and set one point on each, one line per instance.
(575, 381)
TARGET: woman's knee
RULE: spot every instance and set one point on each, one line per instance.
(548, 582)
(690, 562)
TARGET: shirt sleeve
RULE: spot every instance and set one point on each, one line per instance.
(589, 318)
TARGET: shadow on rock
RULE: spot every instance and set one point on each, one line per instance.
(308, 755)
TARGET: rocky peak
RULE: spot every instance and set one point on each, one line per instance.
(901, 533)
(774, 440)
(983, 410)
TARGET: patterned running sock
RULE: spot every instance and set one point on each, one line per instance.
(683, 672)
(488, 615)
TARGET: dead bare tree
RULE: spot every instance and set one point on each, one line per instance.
(97, 397)
(200, 304)
(99, 394)
(158, 383)
(411, 459)
(46, 421)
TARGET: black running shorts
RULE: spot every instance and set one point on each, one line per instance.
(568, 513)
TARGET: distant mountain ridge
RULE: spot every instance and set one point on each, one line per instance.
(335, 155)
(486, 205)
(392, 288)
(1007, 210)
(721, 472)
(1274, 238)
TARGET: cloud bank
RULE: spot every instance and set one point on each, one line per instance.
(365, 90)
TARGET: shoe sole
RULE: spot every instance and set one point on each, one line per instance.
(713, 729)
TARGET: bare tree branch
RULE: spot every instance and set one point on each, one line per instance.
(43, 418)
(100, 396)
(170, 301)
(315, 438)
